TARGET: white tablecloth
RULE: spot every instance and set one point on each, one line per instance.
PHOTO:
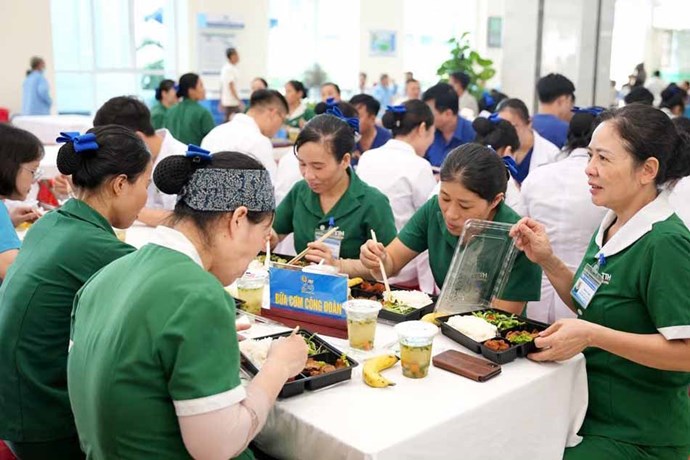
(530, 411)
(48, 127)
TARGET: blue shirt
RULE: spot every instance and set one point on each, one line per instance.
(552, 128)
(36, 98)
(382, 136)
(8, 235)
(384, 95)
(523, 168)
(439, 149)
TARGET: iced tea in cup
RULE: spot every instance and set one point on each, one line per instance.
(415, 339)
(250, 288)
(361, 322)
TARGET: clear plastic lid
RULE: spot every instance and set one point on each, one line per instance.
(480, 267)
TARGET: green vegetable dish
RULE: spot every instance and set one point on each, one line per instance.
(501, 320)
(396, 307)
(313, 348)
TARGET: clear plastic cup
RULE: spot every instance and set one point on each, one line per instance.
(361, 322)
(250, 288)
(416, 338)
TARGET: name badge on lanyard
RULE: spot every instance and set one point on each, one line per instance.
(334, 241)
(588, 283)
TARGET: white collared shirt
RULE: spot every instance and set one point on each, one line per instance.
(169, 147)
(242, 134)
(400, 174)
(172, 239)
(229, 74)
(680, 200)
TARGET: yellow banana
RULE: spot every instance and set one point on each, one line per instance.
(372, 370)
(354, 282)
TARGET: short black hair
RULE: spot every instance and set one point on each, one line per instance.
(120, 151)
(298, 86)
(229, 52)
(334, 133)
(16, 148)
(495, 134)
(175, 171)
(372, 105)
(187, 81)
(553, 86)
(263, 82)
(656, 73)
(478, 168)
(517, 106)
(127, 111)
(444, 97)
(164, 85)
(673, 96)
(639, 94)
(329, 83)
(416, 113)
(268, 97)
(462, 78)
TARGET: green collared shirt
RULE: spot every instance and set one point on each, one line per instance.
(158, 114)
(61, 251)
(427, 230)
(361, 209)
(189, 122)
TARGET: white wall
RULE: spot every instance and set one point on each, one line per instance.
(25, 31)
(519, 49)
(381, 15)
(252, 41)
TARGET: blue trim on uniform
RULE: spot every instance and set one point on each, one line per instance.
(439, 149)
(551, 128)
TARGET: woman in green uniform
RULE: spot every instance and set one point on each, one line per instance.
(473, 186)
(154, 367)
(166, 97)
(331, 195)
(111, 169)
(188, 121)
(630, 293)
(300, 112)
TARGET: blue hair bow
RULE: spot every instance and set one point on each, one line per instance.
(396, 109)
(511, 165)
(594, 111)
(333, 109)
(197, 154)
(81, 142)
(488, 100)
(494, 118)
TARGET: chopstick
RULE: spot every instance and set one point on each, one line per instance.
(383, 269)
(295, 331)
(320, 240)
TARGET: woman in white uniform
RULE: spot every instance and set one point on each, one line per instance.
(399, 169)
(557, 195)
(534, 150)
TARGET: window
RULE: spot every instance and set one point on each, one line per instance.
(106, 49)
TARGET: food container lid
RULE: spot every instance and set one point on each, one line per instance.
(480, 267)
(255, 275)
(321, 269)
(416, 331)
(362, 307)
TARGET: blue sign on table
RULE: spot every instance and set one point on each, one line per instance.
(310, 293)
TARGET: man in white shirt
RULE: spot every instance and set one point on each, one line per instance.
(229, 92)
(251, 133)
(131, 113)
(656, 85)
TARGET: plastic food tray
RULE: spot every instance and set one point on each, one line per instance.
(358, 293)
(303, 381)
(499, 357)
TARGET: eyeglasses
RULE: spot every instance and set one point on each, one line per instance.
(35, 173)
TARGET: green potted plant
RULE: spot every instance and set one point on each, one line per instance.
(465, 59)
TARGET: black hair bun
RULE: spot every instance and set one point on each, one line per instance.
(482, 126)
(173, 173)
(320, 108)
(68, 160)
(388, 120)
(581, 123)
